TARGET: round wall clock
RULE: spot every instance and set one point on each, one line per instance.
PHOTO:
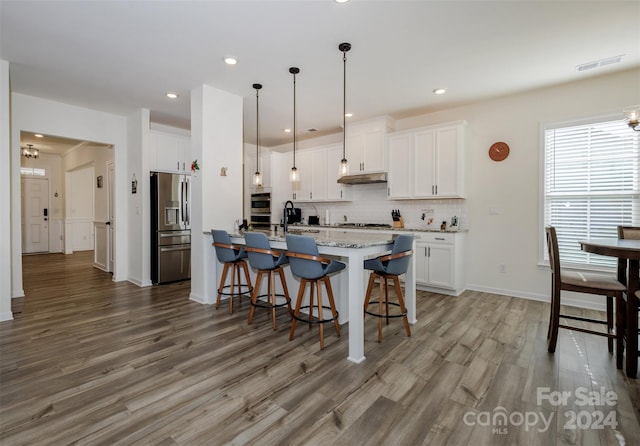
(499, 151)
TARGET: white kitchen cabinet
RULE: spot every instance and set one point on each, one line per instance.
(170, 152)
(439, 261)
(430, 160)
(400, 166)
(366, 146)
(302, 190)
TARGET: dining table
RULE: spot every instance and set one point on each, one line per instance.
(353, 248)
(628, 250)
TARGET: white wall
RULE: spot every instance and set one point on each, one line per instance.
(54, 118)
(5, 194)
(216, 141)
(138, 226)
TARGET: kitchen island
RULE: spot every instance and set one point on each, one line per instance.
(352, 248)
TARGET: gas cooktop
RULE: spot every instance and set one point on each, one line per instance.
(363, 225)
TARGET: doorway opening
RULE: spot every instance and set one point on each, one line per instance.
(67, 198)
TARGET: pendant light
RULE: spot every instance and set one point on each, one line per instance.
(257, 177)
(294, 176)
(344, 164)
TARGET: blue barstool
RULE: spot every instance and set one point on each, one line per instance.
(307, 264)
(266, 261)
(386, 267)
(231, 256)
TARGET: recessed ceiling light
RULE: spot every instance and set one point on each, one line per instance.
(348, 115)
(440, 90)
(38, 135)
(172, 95)
(287, 130)
(341, 1)
(230, 60)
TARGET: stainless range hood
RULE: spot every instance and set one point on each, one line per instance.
(364, 178)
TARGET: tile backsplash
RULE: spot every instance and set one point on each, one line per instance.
(369, 204)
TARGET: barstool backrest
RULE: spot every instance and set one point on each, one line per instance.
(256, 259)
(398, 266)
(305, 268)
(225, 254)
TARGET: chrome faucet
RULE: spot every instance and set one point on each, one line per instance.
(285, 216)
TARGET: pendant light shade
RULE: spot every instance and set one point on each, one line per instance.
(344, 164)
(294, 175)
(257, 177)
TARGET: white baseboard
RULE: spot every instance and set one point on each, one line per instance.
(566, 300)
(17, 293)
(6, 316)
(139, 282)
(200, 299)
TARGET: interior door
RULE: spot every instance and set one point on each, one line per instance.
(111, 218)
(35, 215)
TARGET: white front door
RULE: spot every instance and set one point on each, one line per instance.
(35, 215)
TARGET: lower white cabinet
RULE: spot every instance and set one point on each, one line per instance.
(439, 261)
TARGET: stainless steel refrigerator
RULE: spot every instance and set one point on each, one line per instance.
(170, 227)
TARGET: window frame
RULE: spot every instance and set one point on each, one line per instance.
(543, 259)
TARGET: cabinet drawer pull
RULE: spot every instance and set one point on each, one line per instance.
(440, 238)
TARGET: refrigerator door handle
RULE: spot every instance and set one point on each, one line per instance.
(185, 200)
(176, 248)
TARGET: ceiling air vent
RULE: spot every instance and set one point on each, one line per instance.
(599, 63)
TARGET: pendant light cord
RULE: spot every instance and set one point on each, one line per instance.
(294, 71)
(344, 47)
(344, 105)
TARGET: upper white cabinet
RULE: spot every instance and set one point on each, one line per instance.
(318, 170)
(170, 152)
(427, 162)
(366, 145)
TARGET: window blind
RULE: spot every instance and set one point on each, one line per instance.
(591, 185)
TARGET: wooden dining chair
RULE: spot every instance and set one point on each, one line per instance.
(581, 282)
(629, 233)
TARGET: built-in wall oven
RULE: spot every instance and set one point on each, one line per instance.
(261, 210)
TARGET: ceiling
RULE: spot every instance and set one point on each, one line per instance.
(120, 56)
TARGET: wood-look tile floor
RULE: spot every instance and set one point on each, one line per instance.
(89, 361)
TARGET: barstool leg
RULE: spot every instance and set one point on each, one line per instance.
(367, 296)
(320, 315)
(254, 296)
(312, 283)
(382, 296)
(296, 313)
(285, 291)
(403, 309)
(386, 298)
(247, 277)
(332, 304)
(223, 279)
(272, 298)
(234, 272)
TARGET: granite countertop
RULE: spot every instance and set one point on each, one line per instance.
(376, 228)
(335, 239)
